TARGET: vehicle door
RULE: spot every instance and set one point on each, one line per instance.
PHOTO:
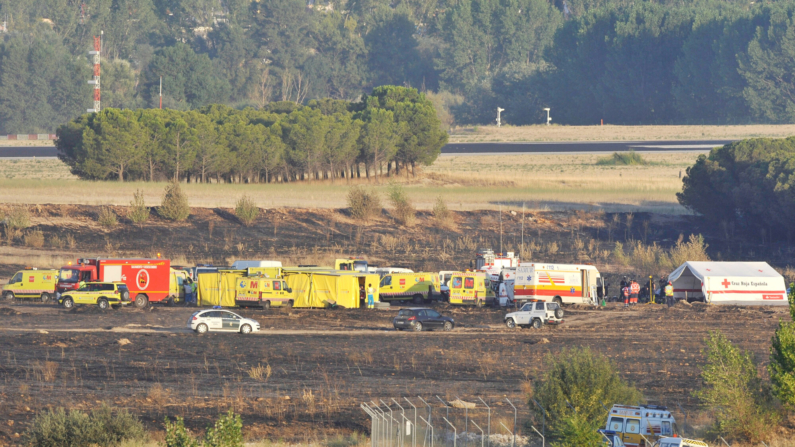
(422, 317)
(523, 317)
(586, 286)
(213, 320)
(632, 431)
(469, 289)
(16, 283)
(278, 293)
(230, 321)
(86, 295)
(539, 311)
(386, 285)
(616, 424)
(456, 288)
(434, 318)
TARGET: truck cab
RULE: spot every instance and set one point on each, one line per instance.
(353, 264)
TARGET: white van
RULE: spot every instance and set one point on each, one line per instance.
(679, 442)
(561, 283)
(242, 265)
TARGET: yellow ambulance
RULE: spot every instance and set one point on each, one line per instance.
(252, 291)
(471, 288)
(32, 283)
(417, 287)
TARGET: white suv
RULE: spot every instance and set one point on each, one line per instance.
(535, 314)
(221, 321)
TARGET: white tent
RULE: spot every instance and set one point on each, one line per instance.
(743, 283)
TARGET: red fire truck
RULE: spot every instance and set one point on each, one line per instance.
(147, 279)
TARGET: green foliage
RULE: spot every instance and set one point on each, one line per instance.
(106, 217)
(177, 435)
(402, 208)
(246, 210)
(227, 432)
(364, 205)
(175, 203)
(138, 212)
(582, 378)
(630, 158)
(575, 431)
(782, 356)
(750, 183)
(18, 218)
(58, 428)
(734, 391)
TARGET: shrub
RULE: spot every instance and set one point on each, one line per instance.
(782, 356)
(583, 379)
(575, 431)
(734, 392)
(138, 212)
(403, 211)
(34, 238)
(175, 203)
(56, 428)
(177, 435)
(107, 218)
(630, 158)
(18, 218)
(693, 250)
(227, 432)
(246, 211)
(441, 213)
(363, 205)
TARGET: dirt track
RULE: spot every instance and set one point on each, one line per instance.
(324, 362)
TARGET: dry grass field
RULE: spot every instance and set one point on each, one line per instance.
(541, 181)
(478, 134)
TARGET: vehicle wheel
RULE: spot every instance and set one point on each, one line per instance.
(559, 313)
(245, 329)
(103, 304)
(417, 299)
(536, 324)
(202, 328)
(510, 323)
(558, 300)
(9, 296)
(448, 326)
(141, 301)
(68, 303)
(479, 303)
(45, 297)
(290, 303)
(417, 326)
(266, 305)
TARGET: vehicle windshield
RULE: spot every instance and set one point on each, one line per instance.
(16, 278)
(69, 275)
(360, 266)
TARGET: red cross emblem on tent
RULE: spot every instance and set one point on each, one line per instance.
(725, 283)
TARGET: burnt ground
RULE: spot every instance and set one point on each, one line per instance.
(323, 363)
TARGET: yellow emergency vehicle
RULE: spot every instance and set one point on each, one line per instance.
(353, 264)
(32, 283)
(417, 287)
(252, 291)
(471, 288)
(651, 421)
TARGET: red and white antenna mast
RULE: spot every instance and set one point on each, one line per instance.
(97, 53)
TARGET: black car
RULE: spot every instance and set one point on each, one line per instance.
(422, 318)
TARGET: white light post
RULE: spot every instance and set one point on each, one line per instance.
(548, 118)
(499, 110)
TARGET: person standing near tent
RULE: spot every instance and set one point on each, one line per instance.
(669, 294)
(634, 291)
(370, 293)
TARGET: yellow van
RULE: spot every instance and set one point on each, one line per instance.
(32, 283)
(471, 288)
(417, 287)
(262, 292)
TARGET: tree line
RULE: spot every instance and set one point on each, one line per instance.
(697, 61)
(391, 129)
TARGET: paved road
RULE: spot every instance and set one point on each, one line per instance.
(487, 148)
(571, 147)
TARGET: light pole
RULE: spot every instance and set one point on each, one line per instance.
(499, 110)
(548, 118)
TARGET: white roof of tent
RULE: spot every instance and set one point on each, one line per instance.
(703, 269)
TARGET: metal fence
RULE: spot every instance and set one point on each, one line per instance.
(434, 422)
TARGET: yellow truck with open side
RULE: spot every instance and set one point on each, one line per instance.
(417, 287)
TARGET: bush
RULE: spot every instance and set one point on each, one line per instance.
(782, 356)
(175, 203)
(18, 218)
(441, 213)
(733, 391)
(630, 158)
(138, 212)
(583, 378)
(403, 211)
(177, 435)
(107, 218)
(363, 205)
(246, 211)
(227, 432)
(57, 428)
(576, 431)
(34, 239)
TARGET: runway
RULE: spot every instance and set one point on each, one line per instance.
(487, 148)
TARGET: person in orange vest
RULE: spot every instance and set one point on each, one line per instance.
(634, 290)
(625, 293)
